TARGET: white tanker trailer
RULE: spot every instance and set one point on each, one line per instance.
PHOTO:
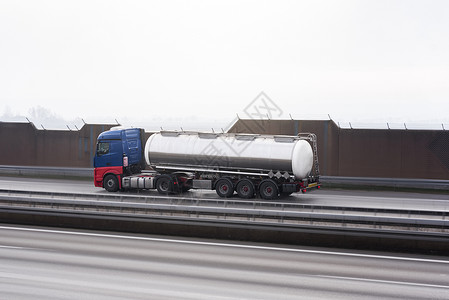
(248, 164)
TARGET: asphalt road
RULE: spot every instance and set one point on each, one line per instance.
(333, 197)
(61, 264)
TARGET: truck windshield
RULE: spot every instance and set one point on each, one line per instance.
(102, 148)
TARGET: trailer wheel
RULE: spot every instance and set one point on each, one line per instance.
(164, 185)
(224, 188)
(110, 183)
(245, 189)
(268, 189)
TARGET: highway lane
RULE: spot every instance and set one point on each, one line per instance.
(39, 263)
(49, 185)
(331, 197)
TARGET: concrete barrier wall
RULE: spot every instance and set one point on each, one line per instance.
(24, 145)
(367, 152)
(342, 152)
(393, 153)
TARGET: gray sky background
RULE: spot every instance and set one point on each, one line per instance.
(205, 61)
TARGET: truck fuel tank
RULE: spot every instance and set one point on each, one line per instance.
(230, 151)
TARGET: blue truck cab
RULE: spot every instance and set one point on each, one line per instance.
(119, 152)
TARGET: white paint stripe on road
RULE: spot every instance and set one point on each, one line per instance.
(141, 238)
(23, 248)
(11, 247)
(384, 281)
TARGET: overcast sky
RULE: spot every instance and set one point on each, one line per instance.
(373, 61)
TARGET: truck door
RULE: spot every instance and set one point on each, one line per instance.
(132, 146)
(109, 154)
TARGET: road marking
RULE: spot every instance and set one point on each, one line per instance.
(141, 238)
(11, 247)
(384, 281)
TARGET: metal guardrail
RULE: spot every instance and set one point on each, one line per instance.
(434, 184)
(40, 171)
(233, 202)
(225, 213)
(268, 215)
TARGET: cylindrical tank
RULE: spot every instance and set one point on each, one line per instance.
(230, 151)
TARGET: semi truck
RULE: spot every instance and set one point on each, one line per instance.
(173, 162)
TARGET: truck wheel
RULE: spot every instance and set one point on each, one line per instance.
(110, 183)
(224, 188)
(245, 189)
(164, 185)
(268, 189)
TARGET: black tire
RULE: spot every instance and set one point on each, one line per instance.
(268, 190)
(245, 189)
(224, 188)
(164, 185)
(110, 183)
